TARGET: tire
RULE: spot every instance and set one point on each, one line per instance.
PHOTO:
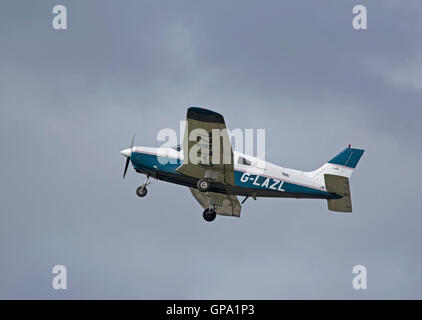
(141, 192)
(209, 215)
(203, 185)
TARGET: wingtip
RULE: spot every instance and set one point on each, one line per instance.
(204, 115)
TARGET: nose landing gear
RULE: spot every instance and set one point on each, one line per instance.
(142, 191)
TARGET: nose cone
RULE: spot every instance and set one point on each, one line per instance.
(126, 152)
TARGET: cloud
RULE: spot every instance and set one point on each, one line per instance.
(404, 74)
(71, 101)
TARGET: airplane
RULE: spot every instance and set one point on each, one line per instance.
(216, 184)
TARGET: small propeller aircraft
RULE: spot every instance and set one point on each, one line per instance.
(216, 180)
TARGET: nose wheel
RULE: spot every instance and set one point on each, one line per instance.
(142, 191)
(209, 215)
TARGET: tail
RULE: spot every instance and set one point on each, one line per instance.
(335, 174)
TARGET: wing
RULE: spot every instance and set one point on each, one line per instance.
(226, 205)
(206, 147)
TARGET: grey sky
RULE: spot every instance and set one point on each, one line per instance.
(70, 101)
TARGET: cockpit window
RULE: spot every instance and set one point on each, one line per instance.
(243, 161)
(177, 147)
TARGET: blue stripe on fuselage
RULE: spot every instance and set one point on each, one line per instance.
(151, 162)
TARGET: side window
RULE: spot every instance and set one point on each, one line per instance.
(243, 161)
(177, 147)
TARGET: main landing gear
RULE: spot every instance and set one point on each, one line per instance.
(204, 185)
(142, 191)
(209, 214)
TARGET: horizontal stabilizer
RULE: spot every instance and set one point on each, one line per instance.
(338, 185)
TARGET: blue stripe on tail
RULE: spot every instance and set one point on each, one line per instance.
(349, 157)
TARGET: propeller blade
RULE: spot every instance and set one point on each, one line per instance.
(127, 165)
(131, 144)
(128, 156)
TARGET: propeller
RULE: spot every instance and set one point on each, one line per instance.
(127, 153)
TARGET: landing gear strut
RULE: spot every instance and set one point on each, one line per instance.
(142, 191)
(209, 214)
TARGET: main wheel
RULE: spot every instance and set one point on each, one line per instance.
(203, 185)
(141, 191)
(209, 215)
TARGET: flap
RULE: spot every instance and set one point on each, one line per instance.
(227, 205)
